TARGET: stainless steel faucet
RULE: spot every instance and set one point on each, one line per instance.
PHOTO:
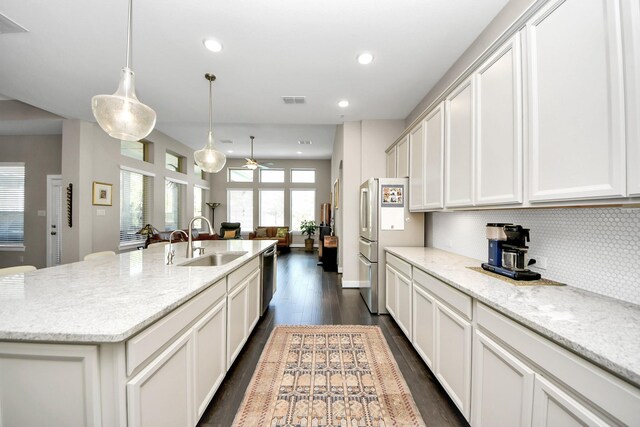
(190, 249)
(172, 253)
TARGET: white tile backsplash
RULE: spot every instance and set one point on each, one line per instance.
(593, 249)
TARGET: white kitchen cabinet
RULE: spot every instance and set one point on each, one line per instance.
(210, 355)
(162, 393)
(398, 292)
(402, 158)
(631, 16)
(391, 291)
(416, 167)
(237, 303)
(433, 188)
(554, 407)
(502, 386)
(403, 295)
(498, 163)
(459, 136)
(575, 107)
(423, 324)
(391, 162)
(253, 302)
(453, 356)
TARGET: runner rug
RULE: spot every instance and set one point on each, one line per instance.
(327, 376)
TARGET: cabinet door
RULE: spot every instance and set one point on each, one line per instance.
(575, 101)
(453, 356)
(502, 386)
(391, 291)
(423, 324)
(459, 146)
(631, 14)
(253, 301)
(391, 162)
(237, 302)
(402, 158)
(403, 296)
(434, 159)
(499, 127)
(162, 393)
(416, 167)
(210, 355)
(553, 407)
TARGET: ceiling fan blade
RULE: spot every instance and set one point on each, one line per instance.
(262, 166)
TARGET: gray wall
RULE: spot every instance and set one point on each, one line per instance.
(219, 187)
(41, 155)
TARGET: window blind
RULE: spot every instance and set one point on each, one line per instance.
(173, 202)
(12, 204)
(136, 192)
(197, 206)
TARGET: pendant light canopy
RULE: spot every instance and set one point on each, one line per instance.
(208, 158)
(122, 115)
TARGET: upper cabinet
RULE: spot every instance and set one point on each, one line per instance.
(631, 42)
(459, 136)
(498, 171)
(416, 167)
(391, 162)
(575, 109)
(402, 158)
(433, 191)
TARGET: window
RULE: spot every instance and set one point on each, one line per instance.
(240, 175)
(136, 192)
(173, 202)
(303, 176)
(303, 207)
(197, 171)
(138, 150)
(240, 207)
(271, 207)
(271, 175)
(12, 205)
(174, 162)
(198, 203)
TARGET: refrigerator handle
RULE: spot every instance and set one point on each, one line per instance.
(364, 209)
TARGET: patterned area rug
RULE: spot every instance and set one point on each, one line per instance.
(327, 376)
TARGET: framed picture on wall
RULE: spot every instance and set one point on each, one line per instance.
(101, 194)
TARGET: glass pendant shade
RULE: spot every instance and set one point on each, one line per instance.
(210, 159)
(121, 115)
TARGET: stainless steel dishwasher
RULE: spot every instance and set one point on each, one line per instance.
(269, 276)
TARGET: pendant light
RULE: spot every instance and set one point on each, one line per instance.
(208, 158)
(121, 115)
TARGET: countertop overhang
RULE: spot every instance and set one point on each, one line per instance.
(603, 330)
(109, 299)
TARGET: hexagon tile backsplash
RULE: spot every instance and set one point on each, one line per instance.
(593, 249)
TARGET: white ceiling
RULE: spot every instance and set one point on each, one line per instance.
(75, 48)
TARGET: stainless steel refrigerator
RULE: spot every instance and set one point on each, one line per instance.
(385, 220)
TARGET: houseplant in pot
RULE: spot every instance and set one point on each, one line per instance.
(308, 228)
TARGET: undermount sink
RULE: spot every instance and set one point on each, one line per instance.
(213, 260)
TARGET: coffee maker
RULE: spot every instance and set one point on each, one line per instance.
(508, 251)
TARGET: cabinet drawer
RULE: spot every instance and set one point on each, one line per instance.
(607, 392)
(146, 343)
(235, 278)
(399, 265)
(450, 296)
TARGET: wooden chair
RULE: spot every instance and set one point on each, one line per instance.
(98, 255)
(17, 269)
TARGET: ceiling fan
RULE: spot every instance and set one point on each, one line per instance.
(251, 162)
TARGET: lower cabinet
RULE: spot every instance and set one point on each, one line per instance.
(502, 386)
(398, 292)
(244, 312)
(391, 290)
(424, 308)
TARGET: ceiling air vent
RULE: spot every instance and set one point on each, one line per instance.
(301, 142)
(293, 99)
(226, 141)
(8, 26)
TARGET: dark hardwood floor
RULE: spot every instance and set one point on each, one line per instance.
(308, 295)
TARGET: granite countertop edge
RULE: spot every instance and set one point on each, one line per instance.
(564, 341)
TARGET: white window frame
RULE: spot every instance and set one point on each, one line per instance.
(203, 209)
(134, 243)
(253, 208)
(182, 198)
(229, 169)
(17, 247)
(284, 213)
(315, 175)
(284, 175)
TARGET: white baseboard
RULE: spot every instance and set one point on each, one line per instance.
(299, 245)
(339, 269)
(350, 284)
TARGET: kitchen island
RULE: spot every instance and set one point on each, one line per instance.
(125, 340)
(517, 355)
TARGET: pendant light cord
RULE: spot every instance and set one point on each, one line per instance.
(210, 106)
(129, 38)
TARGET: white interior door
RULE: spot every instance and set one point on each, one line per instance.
(54, 220)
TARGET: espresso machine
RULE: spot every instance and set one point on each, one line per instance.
(508, 251)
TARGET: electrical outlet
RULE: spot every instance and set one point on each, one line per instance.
(100, 212)
(541, 262)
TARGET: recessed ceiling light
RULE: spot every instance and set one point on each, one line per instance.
(212, 45)
(299, 152)
(343, 104)
(365, 58)
(229, 151)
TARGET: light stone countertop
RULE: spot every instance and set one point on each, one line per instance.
(109, 299)
(603, 330)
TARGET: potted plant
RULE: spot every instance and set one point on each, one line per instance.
(308, 228)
